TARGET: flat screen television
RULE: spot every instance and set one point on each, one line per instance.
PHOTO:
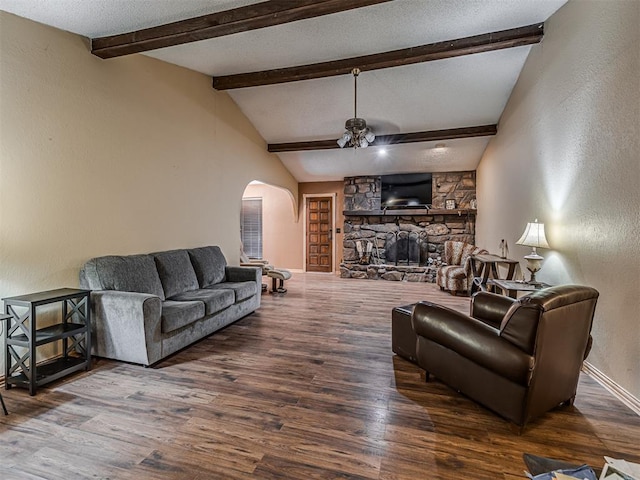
(406, 190)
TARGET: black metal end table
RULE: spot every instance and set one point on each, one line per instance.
(22, 336)
(4, 317)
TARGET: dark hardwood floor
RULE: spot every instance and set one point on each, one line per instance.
(306, 388)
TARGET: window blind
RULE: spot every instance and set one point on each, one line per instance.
(251, 227)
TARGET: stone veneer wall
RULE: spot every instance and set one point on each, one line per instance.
(362, 193)
(457, 186)
(430, 230)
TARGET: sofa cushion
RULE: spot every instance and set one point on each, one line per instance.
(129, 273)
(214, 300)
(209, 264)
(241, 290)
(176, 315)
(176, 272)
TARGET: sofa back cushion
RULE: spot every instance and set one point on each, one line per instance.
(209, 264)
(176, 272)
(130, 273)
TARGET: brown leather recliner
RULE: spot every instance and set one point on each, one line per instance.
(520, 358)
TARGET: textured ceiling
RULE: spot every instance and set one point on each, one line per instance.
(458, 92)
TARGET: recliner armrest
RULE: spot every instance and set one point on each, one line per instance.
(255, 261)
(490, 307)
(440, 323)
(264, 266)
(473, 339)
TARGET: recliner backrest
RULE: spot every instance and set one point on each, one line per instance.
(522, 321)
(520, 325)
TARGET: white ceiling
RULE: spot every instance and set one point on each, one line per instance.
(464, 91)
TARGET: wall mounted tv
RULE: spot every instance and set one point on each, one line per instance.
(406, 190)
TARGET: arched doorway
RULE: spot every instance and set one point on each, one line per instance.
(269, 228)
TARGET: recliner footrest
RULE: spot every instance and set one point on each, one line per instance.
(278, 276)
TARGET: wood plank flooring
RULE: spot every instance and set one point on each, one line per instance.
(306, 388)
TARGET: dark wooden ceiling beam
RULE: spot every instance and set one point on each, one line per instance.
(219, 24)
(395, 139)
(486, 42)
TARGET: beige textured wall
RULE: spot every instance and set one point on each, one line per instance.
(567, 152)
(283, 231)
(118, 156)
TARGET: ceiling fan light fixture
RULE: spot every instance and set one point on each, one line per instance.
(369, 136)
(357, 134)
(342, 141)
(355, 125)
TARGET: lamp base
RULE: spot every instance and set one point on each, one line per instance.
(534, 263)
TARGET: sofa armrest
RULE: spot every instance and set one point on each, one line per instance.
(490, 307)
(243, 274)
(472, 339)
(126, 326)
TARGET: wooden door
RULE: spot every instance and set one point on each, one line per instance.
(319, 234)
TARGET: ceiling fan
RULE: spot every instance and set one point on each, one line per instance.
(357, 134)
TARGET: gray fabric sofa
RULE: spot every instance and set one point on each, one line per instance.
(146, 307)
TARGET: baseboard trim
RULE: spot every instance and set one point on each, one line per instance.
(620, 393)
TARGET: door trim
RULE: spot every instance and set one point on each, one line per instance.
(334, 197)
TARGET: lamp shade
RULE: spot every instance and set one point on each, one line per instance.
(534, 236)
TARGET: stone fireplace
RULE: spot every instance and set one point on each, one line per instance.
(404, 243)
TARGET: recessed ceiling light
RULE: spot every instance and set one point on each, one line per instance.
(382, 152)
(440, 145)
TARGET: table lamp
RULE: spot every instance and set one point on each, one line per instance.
(534, 237)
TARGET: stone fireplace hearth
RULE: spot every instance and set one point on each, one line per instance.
(404, 244)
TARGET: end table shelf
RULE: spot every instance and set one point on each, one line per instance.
(49, 371)
(512, 287)
(22, 337)
(49, 334)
